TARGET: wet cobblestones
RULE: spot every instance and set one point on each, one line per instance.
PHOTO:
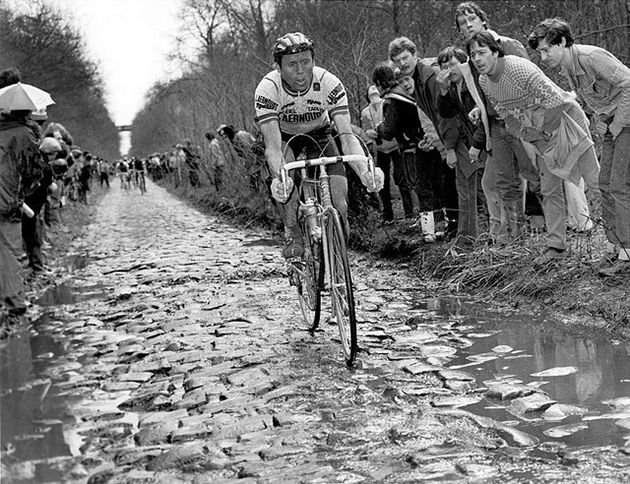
(185, 360)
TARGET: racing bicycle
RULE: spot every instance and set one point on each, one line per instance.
(325, 250)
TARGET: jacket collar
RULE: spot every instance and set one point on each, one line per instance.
(576, 68)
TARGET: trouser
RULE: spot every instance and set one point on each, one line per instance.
(448, 197)
(218, 177)
(554, 206)
(404, 170)
(104, 179)
(11, 278)
(402, 179)
(32, 238)
(83, 189)
(467, 225)
(496, 214)
(509, 162)
(193, 177)
(428, 179)
(578, 215)
(614, 183)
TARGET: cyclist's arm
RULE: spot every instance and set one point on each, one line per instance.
(349, 143)
(273, 146)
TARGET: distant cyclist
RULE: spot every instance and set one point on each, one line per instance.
(301, 98)
(123, 173)
(138, 168)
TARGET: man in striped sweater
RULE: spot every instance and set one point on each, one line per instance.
(539, 112)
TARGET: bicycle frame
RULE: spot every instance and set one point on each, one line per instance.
(316, 193)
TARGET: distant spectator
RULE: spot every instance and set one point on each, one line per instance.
(238, 146)
(191, 159)
(84, 176)
(217, 160)
(103, 172)
(241, 140)
(176, 161)
(59, 132)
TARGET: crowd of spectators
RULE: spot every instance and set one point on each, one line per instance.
(191, 165)
(478, 134)
(41, 171)
(521, 148)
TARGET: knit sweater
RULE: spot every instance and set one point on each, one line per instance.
(521, 86)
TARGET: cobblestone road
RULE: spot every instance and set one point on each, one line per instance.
(186, 361)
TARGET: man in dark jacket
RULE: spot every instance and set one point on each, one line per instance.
(456, 101)
(402, 52)
(400, 122)
(20, 171)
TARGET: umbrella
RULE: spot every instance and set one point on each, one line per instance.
(23, 97)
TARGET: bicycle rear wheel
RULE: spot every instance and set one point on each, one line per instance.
(341, 292)
(310, 276)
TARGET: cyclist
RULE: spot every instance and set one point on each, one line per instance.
(123, 170)
(138, 167)
(131, 175)
(301, 98)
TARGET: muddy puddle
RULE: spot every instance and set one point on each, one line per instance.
(33, 412)
(586, 372)
(33, 404)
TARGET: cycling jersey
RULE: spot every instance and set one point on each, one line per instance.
(299, 113)
(123, 166)
(138, 165)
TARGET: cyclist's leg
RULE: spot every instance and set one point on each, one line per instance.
(289, 213)
(338, 182)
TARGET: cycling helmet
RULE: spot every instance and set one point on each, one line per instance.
(291, 44)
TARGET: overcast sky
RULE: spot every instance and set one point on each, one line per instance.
(130, 40)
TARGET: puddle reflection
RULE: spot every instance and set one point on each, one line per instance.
(528, 345)
(32, 416)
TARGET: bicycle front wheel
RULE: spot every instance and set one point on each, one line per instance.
(310, 276)
(341, 292)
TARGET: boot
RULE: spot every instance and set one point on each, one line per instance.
(515, 221)
(427, 224)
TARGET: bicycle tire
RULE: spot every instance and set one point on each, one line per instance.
(341, 292)
(310, 277)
